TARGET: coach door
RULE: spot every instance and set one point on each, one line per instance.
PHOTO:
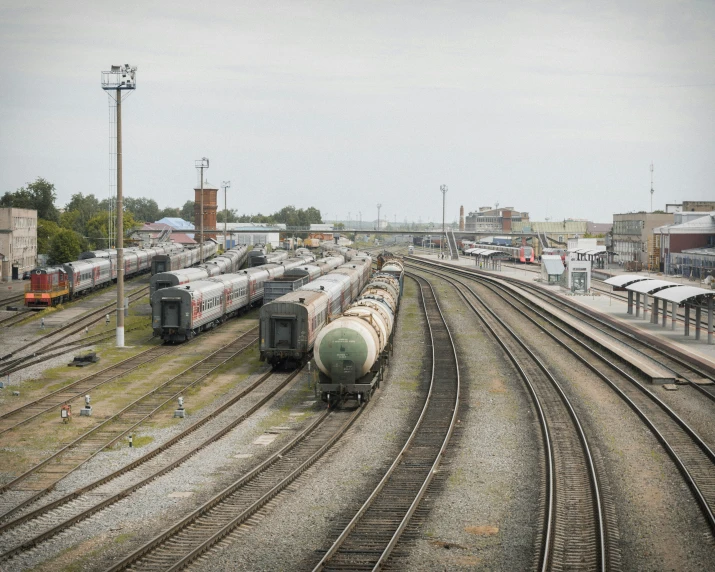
(170, 313)
(283, 328)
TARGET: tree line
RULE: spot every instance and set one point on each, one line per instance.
(83, 223)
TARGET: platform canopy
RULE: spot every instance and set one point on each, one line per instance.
(680, 294)
(651, 286)
(623, 280)
(591, 251)
(481, 252)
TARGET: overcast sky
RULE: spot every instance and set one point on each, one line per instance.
(555, 108)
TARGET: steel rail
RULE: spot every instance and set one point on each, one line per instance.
(98, 505)
(392, 542)
(546, 561)
(647, 344)
(122, 431)
(198, 546)
(700, 497)
(700, 494)
(89, 318)
(80, 387)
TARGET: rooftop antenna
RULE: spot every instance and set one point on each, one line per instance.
(652, 190)
(497, 205)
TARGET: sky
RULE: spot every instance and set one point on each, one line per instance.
(554, 108)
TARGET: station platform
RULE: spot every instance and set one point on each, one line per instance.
(615, 309)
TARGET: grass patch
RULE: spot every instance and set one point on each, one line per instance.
(141, 440)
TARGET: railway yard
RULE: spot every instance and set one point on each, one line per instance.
(514, 427)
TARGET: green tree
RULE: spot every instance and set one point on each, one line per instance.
(232, 215)
(169, 212)
(144, 210)
(39, 195)
(65, 246)
(82, 209)
(46, 231)
(187, 211)
(97, 226)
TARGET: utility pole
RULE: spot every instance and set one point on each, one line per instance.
(119, 78)
(202, 164)
(652, 190)
(225, 185)
(444, 189)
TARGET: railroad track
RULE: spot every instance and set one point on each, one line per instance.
(61, 349)
(701, 379)
(370, 537)
(44, 522)
(31, 410)
(208, 524)
(73, 327)
(574, 533)
(690, 454)
(16, 318)
(42, 478)
(606, 290)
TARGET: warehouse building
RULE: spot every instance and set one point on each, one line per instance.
(18, 242)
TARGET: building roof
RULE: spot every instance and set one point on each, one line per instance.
(181, 238)
(155, 226)
(207, 185)
(552, 264)
(698, 252)
(176, 223)
(599, 227)
(701, 225)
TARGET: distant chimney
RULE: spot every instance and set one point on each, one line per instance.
(461, 217)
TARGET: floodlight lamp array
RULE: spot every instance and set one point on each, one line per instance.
(120, 77)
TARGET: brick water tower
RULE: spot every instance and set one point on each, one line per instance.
(210, 206)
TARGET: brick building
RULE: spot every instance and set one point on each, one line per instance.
(488, 219)
(18, 241)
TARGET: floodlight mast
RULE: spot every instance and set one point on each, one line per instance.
(225, 185)
(117, 79)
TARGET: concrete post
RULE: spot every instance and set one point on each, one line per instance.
(697, 322)
(673, 314)
(645, 306)
(665, 312)
(687, 319)
(120, 228)
(638, 304)
(630, 302)
(710, 320)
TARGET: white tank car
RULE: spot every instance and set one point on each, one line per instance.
(347, 348)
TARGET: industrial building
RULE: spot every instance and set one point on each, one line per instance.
(18, 242)
(488, 219)
(687, 247)
(633, 243)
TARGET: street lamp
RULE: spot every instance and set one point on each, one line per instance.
(202, 164)
(119, 78)
(443, 188)
(225, 185)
